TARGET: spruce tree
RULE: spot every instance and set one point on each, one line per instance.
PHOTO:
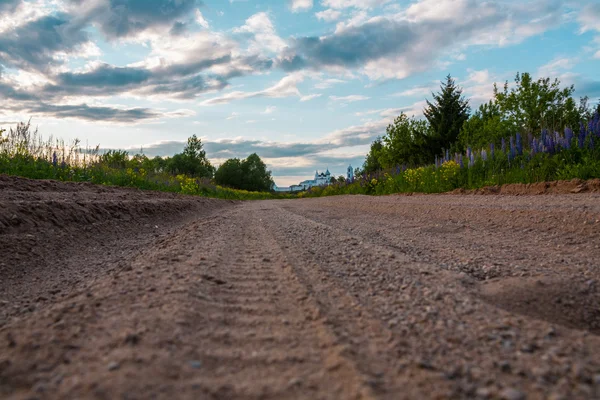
(446, 115)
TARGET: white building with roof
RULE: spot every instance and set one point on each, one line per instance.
(320, 179)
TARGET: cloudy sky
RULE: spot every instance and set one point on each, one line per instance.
(306, 84)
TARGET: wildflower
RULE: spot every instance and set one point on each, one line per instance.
(519, 144)
(581, 137)
(484, 155)
(54, 159)
(568, 137)
(492, 149)
(503, 145)
(512, 150)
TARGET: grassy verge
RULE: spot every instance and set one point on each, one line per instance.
(552, 157)
(23, 152)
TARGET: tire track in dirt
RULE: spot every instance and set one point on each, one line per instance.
(299, 354)
(310, 299)
(438, 320)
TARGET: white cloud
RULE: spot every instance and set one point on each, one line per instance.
(200, 20)
(301, 5)
(349, 99)
(555, 67)
(420, 91)
(478, 77)
(363, 4)
(329, 15)
(310, 97)
(286, 87)
(327, 83)
(233, 115)
(269, 110)
(261, 27)
(589, 18)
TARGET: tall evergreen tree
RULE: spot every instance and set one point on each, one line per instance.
(446, 115)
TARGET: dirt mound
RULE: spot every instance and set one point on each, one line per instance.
(554, 187)
(567, 302)
(45, 224)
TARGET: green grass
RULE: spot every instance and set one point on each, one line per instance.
(498, 170)
(23, 152)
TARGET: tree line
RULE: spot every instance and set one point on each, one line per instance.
(248, 174)
(528, 107)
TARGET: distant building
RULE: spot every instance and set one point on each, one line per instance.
(350, 174)
(321, 179)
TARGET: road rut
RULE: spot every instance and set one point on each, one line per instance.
(333, 298)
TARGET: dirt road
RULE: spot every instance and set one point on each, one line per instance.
(451, 296)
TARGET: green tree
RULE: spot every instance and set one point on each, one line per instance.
(446, 116)
(230, 174)
(192, 161)
(256, 176)
(405, 142)
(485, 126)
(372, 163)
(533, 105)
(249, 174)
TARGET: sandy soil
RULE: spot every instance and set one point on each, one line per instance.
(111, 293)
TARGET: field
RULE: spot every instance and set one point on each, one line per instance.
(120, 293)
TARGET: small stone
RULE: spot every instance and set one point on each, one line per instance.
(504, 366)
(597, 379)
(132, 339)
(196, 364)
(483, 393)
(294, 382)
(512, 394)
(113, 366)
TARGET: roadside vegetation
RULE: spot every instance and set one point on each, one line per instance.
(532, 132)
(23, 152)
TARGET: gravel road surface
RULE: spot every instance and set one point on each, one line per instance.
(121, 294)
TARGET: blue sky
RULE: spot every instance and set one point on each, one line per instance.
(306, 84)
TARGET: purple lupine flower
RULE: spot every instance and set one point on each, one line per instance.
(460, 161)
(534, 145)
(492, 149)
(581, 136)
(447, 155)
(436, 161)
(551, 145)
(471, 160)
(568, 137)
(468, 152)
(544, 134)
(511, 152)
(54, 159)
(484, 155)
(596, 124)
(519, 144)
(503, 146)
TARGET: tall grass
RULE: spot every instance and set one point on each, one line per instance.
(24, 152)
